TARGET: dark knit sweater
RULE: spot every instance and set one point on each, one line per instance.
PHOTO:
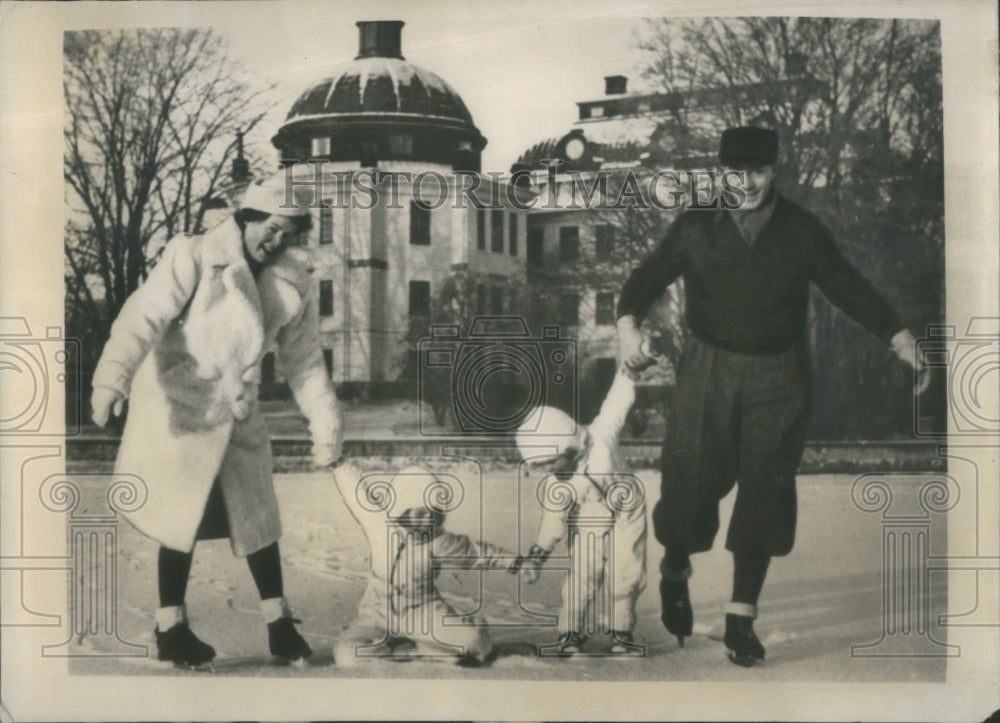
(754, 298)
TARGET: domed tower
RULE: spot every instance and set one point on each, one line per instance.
(393, 154)
(380, 107)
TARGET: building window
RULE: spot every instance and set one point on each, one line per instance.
(401, 145)
(326, 226)
(604, 242)
(320, 147)
(328, 360)
(326, 298)
(512, 234)
(420, 224)
(496, 234)
(267, 368)
(569, 243)
(481, 293)
(481, 229)
(596, 111)
(496, 299)
(605, 308)
(420, 298)
(536, 246)
(569, 309)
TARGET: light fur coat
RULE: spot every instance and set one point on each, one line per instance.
(186, 349)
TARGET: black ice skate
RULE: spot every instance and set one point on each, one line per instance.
(677, 615)
(287, 646)
(743, 646)
(182, 647)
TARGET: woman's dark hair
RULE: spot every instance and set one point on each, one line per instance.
(252, 215)
(249, 215)
(303, 223)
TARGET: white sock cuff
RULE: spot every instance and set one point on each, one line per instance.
(274, 608)
(745, 609)
(169, 616)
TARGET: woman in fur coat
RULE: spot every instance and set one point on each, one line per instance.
(186, 351)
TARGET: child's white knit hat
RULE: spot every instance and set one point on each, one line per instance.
(413, 486)
(546, 433)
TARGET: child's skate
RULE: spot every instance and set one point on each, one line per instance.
(623, 645)
(569, 643)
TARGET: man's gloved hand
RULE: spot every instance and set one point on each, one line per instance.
(905, 347)
(104, 402)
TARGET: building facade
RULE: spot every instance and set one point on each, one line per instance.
(401, 208)
(609, 188)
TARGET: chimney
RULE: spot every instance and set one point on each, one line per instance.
(615, 84)
(380, 39)
(241, 167)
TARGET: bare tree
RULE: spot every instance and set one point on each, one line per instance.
(857, 106)
(152, 122)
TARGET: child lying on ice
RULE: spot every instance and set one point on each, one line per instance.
(401, 611)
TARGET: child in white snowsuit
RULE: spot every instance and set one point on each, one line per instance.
(590, 497)
(401, 610)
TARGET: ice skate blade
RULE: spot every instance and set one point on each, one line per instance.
(744, 660)
(561, 654)
(294, 663)
(207, 667)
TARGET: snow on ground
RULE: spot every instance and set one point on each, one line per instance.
(818, 602)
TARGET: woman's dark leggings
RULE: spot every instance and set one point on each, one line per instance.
(175, 567)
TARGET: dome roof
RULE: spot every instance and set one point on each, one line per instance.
(381, 85)
(380, 107)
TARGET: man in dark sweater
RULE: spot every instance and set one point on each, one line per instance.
(742, 397)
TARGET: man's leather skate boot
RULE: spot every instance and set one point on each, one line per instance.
(743, 646)
(675, 600)
(676, 612)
